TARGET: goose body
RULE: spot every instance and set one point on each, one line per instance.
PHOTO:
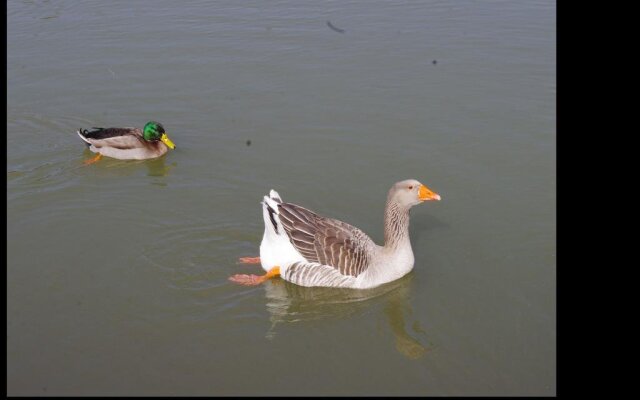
(312, 250)
(128, 143)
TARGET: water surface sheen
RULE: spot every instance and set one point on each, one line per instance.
(117, 272)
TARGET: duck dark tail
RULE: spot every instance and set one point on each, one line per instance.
(82, 133)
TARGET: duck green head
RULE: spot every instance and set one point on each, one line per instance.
(154, 131)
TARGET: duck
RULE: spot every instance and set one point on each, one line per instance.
(307, 249)
(127, 143)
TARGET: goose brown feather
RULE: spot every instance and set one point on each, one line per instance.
(325, 240)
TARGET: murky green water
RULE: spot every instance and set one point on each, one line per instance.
(117, 272)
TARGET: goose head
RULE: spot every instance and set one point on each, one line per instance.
(410, 192)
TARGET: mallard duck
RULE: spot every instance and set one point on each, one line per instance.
(127, 143)
(311, 250)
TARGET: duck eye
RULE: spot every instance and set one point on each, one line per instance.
(410, 187)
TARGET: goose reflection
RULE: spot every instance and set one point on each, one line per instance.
(290, 303)
(395, 309)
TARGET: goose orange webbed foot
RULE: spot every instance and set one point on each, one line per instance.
(249, 260)
(254, 280)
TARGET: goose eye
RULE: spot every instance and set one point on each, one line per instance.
(410, 187)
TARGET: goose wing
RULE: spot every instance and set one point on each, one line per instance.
(315, 274)
(327, 241)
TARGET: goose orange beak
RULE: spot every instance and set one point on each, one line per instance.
(426, 194)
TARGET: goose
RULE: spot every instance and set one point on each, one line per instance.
(307, 249)
(127, 143)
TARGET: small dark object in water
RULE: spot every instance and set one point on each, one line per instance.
(248, 142)
(330, 25)
(435, 62)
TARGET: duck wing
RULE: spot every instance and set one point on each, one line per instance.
(120, 138)
(327, 241)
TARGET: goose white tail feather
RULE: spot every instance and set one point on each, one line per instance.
(275, 196)
(275, 249)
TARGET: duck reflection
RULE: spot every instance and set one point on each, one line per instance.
(290, 303)
(158, 167)
(155, 166)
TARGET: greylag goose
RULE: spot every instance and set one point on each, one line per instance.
(310, 250)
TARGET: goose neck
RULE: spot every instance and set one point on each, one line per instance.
(396, 225)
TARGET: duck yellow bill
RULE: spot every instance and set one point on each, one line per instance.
(165, 139)
(426, 194)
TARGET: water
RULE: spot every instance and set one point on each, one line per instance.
(117, 272)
